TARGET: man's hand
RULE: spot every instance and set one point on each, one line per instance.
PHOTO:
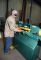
(19, 29)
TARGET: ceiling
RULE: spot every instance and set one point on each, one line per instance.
(38, 2)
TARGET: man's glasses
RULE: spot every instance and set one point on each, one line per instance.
(15, 14)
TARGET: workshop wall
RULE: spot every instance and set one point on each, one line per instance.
(2, 8)
(36, 13)
(36, 10)
(15, 4)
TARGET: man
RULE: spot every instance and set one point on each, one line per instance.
(10, 27)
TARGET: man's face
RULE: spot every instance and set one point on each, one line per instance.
(14, 13)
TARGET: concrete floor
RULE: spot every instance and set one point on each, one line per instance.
(15, 54)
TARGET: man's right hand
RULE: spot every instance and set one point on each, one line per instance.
(19, 29)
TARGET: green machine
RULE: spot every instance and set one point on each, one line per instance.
(27, 44)
(28, 41)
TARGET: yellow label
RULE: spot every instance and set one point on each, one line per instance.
(39, 32)
(0, 35)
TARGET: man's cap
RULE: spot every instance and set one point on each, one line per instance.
(14, 12)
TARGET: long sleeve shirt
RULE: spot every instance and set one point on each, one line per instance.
(10, 27)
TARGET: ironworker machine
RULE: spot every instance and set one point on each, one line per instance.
(28, 41)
